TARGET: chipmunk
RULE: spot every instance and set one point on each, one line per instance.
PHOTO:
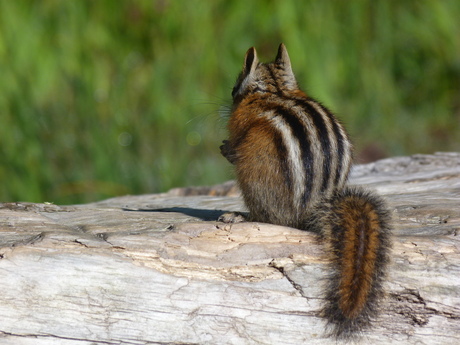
(292, 159)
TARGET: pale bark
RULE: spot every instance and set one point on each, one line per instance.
(159, 269)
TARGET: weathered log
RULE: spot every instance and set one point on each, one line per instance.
(159, 269)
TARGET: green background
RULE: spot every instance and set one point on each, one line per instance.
(104, 98)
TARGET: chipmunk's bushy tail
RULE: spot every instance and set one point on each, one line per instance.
(354, 226)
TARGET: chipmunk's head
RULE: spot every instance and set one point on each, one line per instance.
(275, 77)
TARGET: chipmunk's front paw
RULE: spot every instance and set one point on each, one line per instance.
(228, 151)
(232, 217)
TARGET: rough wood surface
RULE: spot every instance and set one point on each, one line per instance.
(159, 269)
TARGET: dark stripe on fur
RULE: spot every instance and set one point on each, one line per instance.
(283, 159)
(340, 145)
(279, 91)
(323, 136)
(303, 140)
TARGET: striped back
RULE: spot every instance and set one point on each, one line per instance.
(303, 150)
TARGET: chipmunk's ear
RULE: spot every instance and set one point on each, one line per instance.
(282, 58)
(247, 75)
(250, 61)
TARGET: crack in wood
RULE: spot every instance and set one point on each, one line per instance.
(413, 307)
(30, 240)
(281, 269)
(54, 336)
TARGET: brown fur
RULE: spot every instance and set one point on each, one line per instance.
(292, 158)
(360, 242)
(354, 225)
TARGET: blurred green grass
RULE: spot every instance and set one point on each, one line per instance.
(105, 98)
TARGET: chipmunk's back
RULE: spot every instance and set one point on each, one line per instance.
(290, 150)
